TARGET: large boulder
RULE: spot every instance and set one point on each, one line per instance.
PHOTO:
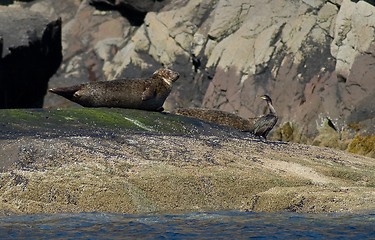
(30, 53)
(132, 161)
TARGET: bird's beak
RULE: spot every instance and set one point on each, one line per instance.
(263, 97)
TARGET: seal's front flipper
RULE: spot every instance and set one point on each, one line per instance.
(161, 109)
(148, 93)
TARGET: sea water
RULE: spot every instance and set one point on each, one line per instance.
(213, 225)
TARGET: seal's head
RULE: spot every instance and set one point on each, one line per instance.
(169, 76)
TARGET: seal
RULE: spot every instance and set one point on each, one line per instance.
(145, 94)
(218, 117)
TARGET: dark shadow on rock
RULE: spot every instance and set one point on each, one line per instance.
(26, 69)
(372, 2)
(6, 2)
(133, 11)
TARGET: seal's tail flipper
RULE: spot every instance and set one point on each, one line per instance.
(66, 92)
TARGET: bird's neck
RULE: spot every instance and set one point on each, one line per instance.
(271, 108)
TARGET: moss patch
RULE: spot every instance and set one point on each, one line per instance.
(315, 199)
(209, 188)
(364, 145)
(92, 120)
(352, 176)
(285, 132)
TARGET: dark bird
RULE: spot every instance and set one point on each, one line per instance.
(265, 123)
(330, 124)
(196, 62)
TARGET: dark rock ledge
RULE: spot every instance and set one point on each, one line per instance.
(130, 161)
(30, 53)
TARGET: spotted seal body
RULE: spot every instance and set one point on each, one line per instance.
(146, 94)
(218, 117)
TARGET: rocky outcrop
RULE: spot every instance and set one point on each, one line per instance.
(315, 58)
(30, 53)
(132, 161)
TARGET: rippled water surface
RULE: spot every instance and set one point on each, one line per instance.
(216, 225)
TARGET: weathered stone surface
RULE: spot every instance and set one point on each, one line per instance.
(353, 47)
(65, 10)
(158, 177)
(131, 161)
(278, 59)
(30, 55)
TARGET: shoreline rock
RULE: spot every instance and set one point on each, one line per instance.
(131, 161)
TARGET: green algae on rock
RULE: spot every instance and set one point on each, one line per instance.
(84, 120)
